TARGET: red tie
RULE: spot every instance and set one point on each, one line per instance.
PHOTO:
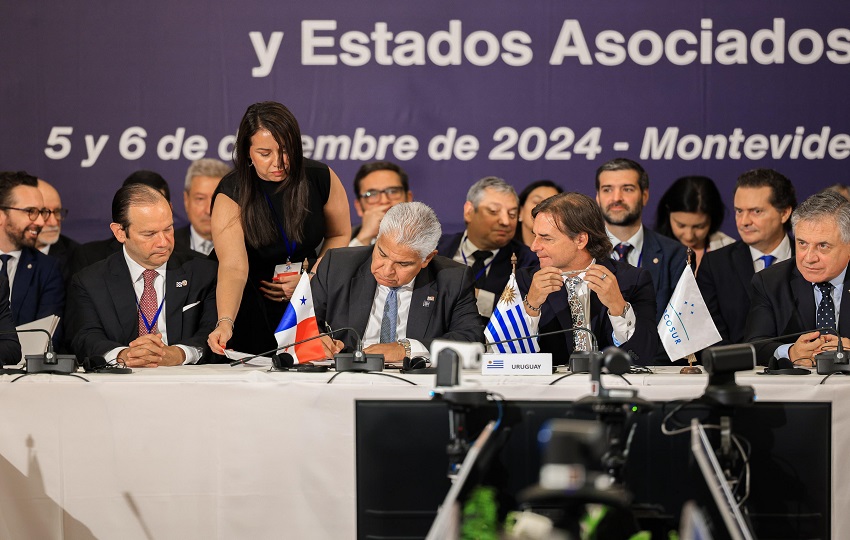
(148, 304)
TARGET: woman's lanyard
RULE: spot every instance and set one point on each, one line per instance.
(149, 325)
(480, 272)
(290, 246)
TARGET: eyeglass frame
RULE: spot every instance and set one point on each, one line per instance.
(44, 212)
(375, 194)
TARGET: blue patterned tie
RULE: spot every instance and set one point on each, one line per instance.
(768, 260)
(623, 251)
(390, 320)
(826, 308)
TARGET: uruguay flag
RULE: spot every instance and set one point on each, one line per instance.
(508, 322)
(299, 323)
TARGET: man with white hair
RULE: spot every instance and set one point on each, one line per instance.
(202, 178)
(50, 240)
(398, 294)
(808, 292)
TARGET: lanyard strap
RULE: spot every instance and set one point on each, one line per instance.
(289, 246)
(149, 325)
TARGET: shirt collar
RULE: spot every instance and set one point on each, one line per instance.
(782, 251)
(636, 241)
(136, 269)
(472, 248)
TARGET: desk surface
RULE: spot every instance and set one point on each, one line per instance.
(221, 452)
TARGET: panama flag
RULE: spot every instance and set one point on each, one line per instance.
(508, 322)
(686, 326)
(299, 323)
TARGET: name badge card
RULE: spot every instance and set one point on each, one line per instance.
(516, 364)
(286, 269)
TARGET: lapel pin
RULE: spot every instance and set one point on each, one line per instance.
(29, 266)
(655, 260)
(432, 298)
(426, 303)
(183, 283)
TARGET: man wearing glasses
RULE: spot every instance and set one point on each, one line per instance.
(490, 213)
(35, 278)
(379, 186)
(50, 240)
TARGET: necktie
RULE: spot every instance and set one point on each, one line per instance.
(478, 266)
(581, 340)
(206, 247)
(623, 251)
(768, 260)
(826, 308)
(390, 320)
(4, 258)
(148, 304)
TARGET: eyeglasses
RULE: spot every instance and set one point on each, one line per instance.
(374, 195)
(32, 212)
(59, 213)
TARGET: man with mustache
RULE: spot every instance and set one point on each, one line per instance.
(622, 190)
(398, 294)
(145, 306)
(36, 279)
(51, 241)
(490, 213)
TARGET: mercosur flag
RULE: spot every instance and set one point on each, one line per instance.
(686, 326)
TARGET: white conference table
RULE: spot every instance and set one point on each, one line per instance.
(219, 452)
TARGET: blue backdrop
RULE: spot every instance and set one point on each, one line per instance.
(453, 91)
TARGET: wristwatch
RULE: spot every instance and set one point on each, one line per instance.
(404, 342)
(626, 310)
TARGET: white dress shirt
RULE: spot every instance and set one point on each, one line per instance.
(372, 334)
(485, 300)
(199, 243)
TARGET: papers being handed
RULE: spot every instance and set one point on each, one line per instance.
(260, 361)
(264, 361)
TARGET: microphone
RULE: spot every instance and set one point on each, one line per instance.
(775, 367)
(579, 361)
(49, 361)
(276, 350)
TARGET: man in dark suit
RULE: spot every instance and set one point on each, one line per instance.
(399, 295)
(486, 246)
(51, 241)
(577, 284)
(145, 306)
(622, 190)
(202, 178)
(97, 250)
(36, 279)
(763, 200)
(378, 186)
(802, 294)
(10, 347)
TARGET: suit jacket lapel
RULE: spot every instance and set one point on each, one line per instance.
(23, 280)
(361, 295)
(421, 308)
(844, 320)
(651, 253)
(742, 263)
(176, 297)
(804, 299)
(120, 287)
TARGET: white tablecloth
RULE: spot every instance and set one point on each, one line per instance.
(218, 452)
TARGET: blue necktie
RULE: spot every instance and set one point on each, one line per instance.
(826, 308)
(390, 320)
(768, 260)
(623, 250)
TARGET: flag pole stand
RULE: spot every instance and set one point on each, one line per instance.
(691, 369)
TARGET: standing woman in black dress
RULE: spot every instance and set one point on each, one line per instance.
(274, 208)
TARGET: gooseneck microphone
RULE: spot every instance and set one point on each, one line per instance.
(276, 350)
(49, 361)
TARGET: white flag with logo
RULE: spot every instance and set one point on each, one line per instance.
(686, 326)
(508, 322)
